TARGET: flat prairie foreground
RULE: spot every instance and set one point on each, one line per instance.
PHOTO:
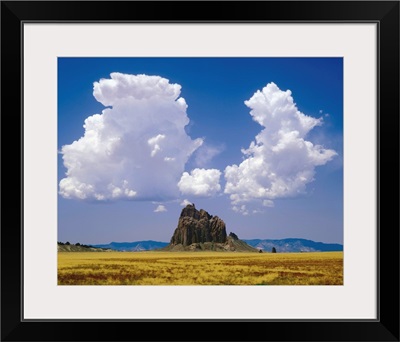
(200, 268)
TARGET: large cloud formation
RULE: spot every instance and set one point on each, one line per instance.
(136, 149)
(200, 182)
(280, 162)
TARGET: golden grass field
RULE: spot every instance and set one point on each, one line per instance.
(201, 268)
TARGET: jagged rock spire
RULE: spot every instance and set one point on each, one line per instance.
(198, 226)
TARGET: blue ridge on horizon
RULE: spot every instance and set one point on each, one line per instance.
(282, 245)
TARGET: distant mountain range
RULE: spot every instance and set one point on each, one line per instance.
(282, 246)
(134, 246)
(294, 245)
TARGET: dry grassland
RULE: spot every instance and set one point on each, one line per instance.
(202, 268)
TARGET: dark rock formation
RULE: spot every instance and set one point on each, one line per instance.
(198, 226)
(199, 231)
(233, 236)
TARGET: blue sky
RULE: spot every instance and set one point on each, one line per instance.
(126, 175)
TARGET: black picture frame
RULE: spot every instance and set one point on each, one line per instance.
(384, 13)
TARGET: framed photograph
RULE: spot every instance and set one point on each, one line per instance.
(194, 162)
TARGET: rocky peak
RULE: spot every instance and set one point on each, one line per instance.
(233, 236)
(190, 211)
(198, 226)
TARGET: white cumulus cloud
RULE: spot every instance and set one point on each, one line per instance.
(136, 149)
(281, 161)
(241, 209)
(185, 202)
(161, 208)
(200, 182)
(268, 203)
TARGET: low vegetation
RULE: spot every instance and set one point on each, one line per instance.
(77, 247)
(202, 268)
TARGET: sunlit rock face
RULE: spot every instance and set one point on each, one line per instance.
(198, 226)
